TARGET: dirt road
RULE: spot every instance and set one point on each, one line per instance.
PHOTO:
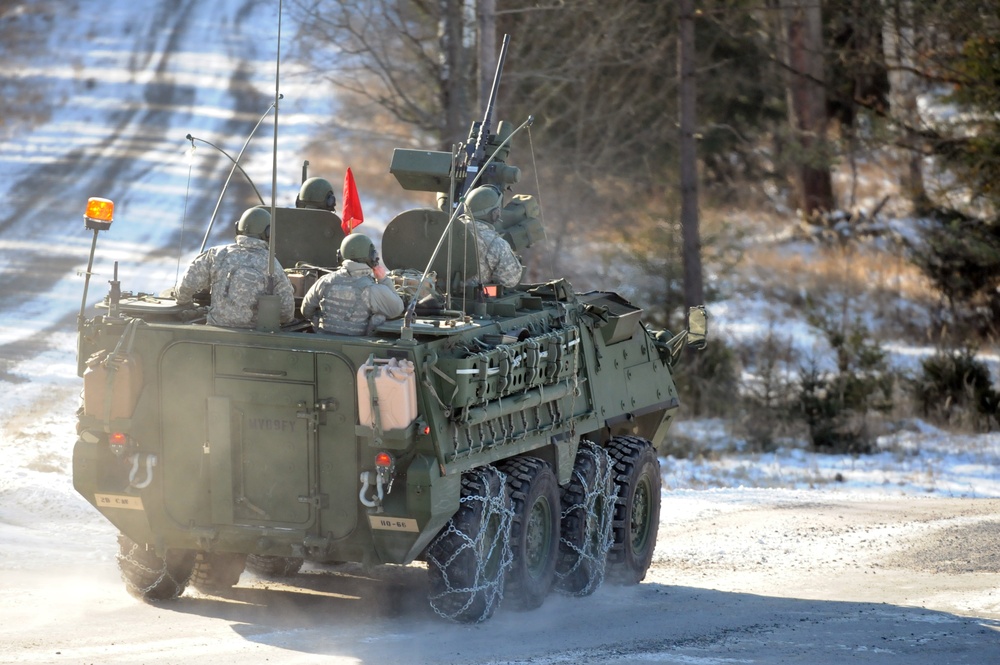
(754, 577)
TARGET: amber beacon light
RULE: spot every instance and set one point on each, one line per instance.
(98, 217)
(100, 213)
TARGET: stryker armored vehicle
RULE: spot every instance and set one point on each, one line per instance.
(504, 436)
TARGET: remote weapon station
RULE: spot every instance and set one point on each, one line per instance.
(504, 436)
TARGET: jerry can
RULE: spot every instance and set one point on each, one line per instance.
(395, 386)
(111, 389)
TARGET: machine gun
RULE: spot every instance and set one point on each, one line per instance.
(475, 152)
(483, 160)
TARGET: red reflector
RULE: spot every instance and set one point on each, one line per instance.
(427, 429)
(383, 459)
(118, 439)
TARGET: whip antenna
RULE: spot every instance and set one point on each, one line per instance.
(187, 197)
(274, 158)
(236, 163)
(268, 304)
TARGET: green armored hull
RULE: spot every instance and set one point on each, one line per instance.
(253, 441)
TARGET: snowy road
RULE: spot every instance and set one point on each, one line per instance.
(810, 576)
(800, 577)
(128, 82)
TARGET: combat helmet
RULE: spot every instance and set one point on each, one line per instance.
(484, 203)
(358, 247)
(316, 193)
(256, 223)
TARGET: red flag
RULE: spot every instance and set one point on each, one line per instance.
(352, 214)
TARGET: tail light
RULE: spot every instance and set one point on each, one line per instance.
(120, 443)
(384, 461)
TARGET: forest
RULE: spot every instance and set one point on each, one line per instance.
(669, 136)
(679, 148)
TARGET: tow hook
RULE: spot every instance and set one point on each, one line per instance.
(375, 502)
(136, 461)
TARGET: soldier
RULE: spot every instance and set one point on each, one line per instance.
(316, 193)
(497, 262)
(236, 275)
(356, 298)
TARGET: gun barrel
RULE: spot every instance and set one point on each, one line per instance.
(476, 154)
(484, 128)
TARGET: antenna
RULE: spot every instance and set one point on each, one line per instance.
(236, 162)
(274, 157)
(246, 175)
(268, 305)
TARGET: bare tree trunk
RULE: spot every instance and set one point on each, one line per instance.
(898, 36)
(453, 85)
(693, 288)
(486, 17)
(802, 27)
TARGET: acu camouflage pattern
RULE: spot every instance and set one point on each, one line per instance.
(350, 301)
(497, 262)
(236, 276)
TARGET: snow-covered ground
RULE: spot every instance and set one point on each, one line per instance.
(916, 459)
(128, 82)
(921, 461)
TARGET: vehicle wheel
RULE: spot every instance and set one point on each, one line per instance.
(534, 531)
(467, 560)
(636, 474)
(149, 576)
(587, 504)
(268, 566)
(217, 571)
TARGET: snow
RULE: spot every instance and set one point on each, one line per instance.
(41, 390)
(109, 135)
(920, 460)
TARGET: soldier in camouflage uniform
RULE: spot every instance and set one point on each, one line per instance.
(358, 297)
(236, 276)
(497, 262)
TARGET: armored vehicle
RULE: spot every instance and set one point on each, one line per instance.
(504, 436)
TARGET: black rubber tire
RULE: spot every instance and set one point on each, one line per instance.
(273, 567)
(587, 511)
(460, 588)
(534, 531)
(636, 473)
(150, 577)
(217, 571)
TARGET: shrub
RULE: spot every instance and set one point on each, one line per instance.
(954, 388)
(960, 255)
(707, 381)
(838, 406)
(767, 391)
